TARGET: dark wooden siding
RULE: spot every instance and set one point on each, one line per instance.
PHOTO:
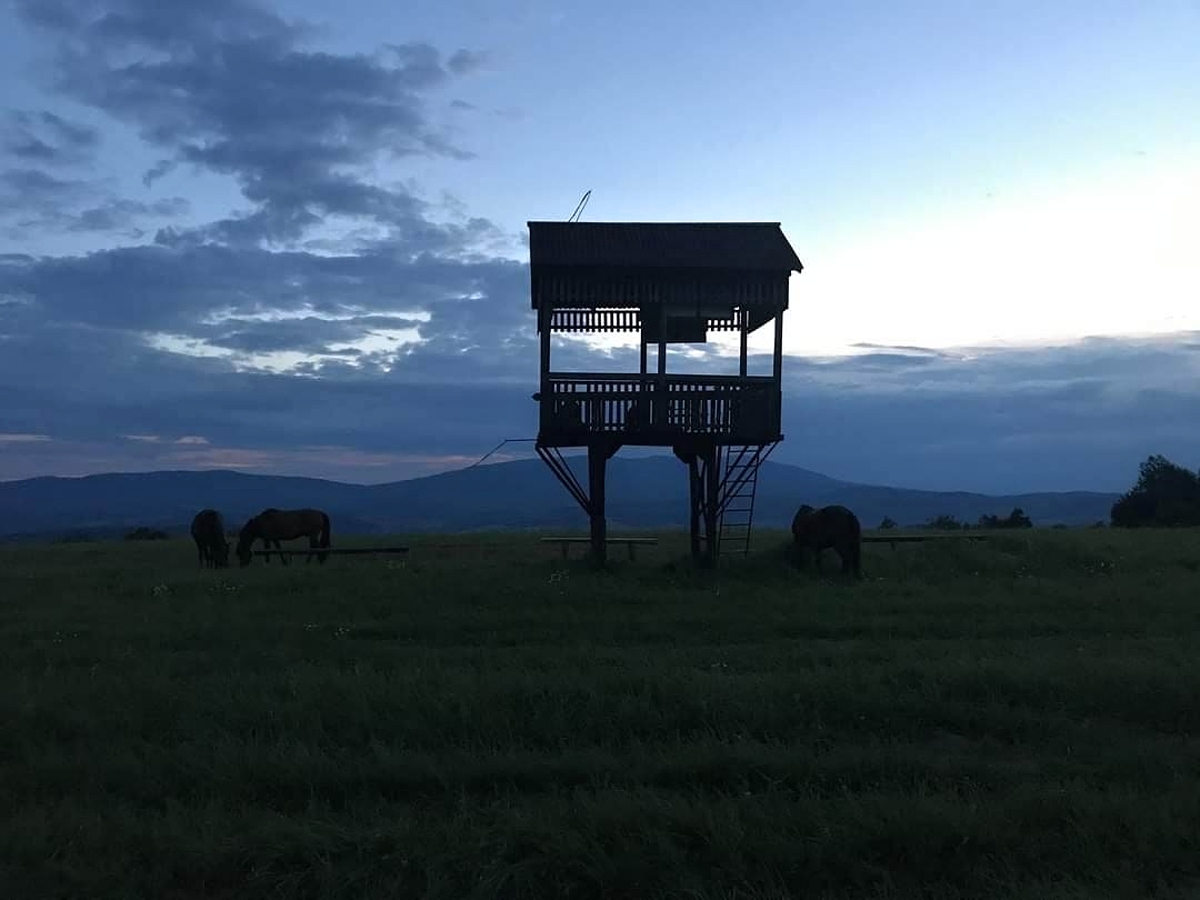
(565, 288)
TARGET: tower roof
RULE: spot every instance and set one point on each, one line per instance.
(689, 245)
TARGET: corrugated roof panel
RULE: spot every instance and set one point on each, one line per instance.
(710, 245)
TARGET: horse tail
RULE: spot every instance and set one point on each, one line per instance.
(326, 535)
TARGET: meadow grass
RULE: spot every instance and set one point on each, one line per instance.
(1016, 718)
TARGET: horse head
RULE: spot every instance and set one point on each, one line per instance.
(246, 539)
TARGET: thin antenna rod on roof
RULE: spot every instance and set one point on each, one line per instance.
(579, 209)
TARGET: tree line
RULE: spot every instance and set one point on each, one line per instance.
(946, 522)
(1166, 496)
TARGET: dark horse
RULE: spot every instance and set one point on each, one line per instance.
(275, 525)
(829, 526)
(208, 531)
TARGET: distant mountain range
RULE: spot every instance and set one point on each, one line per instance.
(647, 492)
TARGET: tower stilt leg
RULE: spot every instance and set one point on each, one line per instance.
(711, 503)
(696, 502)
(597, 464)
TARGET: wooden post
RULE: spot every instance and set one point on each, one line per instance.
(777, 371)
(744, 325)
(713, 498)
(644, 401)
(777, 368)
(546, 401)
(597, 463)
(696, 499)
(660, 387)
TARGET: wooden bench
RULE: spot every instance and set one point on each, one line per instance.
(895, 539)
(340, 551)
(629, 542)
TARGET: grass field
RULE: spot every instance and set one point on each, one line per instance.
(1011, 719)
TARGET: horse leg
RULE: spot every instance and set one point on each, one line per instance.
(282, 556)
(799, 556)
(312, 546)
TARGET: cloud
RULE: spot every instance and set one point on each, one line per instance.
(45, 138)
(77, 458)
(36, 189)
(341, 323)
(1075, 417)
(213, 295)
(464, 62)
(34, 199)
(368, 296)
(232, 90)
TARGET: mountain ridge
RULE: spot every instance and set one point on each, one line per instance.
(644, 492)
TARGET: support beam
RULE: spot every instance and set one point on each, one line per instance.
(598, 455)
(711, 502)
(545, 314)
(554, 460)
(662, 343)
(777, 369)
(696, 502)
(744, 328)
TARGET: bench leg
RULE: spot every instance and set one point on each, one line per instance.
(564, 549)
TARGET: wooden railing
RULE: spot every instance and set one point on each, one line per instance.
(659, 406)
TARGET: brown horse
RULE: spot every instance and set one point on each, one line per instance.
(208, 531)
(275, 525)
(829, 526)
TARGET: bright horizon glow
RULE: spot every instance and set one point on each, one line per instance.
(1117, 258)
(1114, 258)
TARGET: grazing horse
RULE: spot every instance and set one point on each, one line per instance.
(275, 525)
(829, 526)
(208, 531)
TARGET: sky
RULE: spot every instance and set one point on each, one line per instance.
(289, 237)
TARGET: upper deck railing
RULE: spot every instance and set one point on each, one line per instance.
(658, 409)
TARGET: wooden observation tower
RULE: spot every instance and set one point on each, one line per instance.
(672, 283)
